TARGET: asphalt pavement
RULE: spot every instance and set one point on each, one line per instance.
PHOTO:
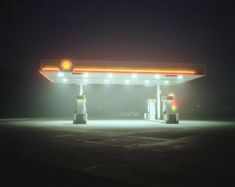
(54, 152)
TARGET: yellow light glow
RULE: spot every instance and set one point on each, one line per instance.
(174, 108)
(50, 69)
(66, 65)
(132, 70)
(171, 94)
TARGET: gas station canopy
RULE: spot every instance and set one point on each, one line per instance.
(65, 71)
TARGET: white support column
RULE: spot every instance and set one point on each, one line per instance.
(81, 89)
(158, 102)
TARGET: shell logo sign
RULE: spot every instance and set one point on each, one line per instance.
(66, 65)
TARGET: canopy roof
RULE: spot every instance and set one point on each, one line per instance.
(65, 71)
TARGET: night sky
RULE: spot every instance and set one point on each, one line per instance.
(161, 31)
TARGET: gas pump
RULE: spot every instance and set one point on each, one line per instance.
(80, 115)
(170, 111)
(151, 109)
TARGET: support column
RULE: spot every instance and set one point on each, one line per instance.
(81, 89)
(158, 102)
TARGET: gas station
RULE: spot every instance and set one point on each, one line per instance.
(152, 74)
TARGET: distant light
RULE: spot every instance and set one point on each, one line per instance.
(134, 76)
(174, 108)
(171, 94)
(157, 76)
(106, 81)
(60, 74)
(127, 81)
(85, 75)
(66, 65)
(110, 75)
(147, 81)
(166, 82)
(180, 77)
(65, 80)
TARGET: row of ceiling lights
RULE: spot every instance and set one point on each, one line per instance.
(107, 81)
(61, 74)
(127, 81)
